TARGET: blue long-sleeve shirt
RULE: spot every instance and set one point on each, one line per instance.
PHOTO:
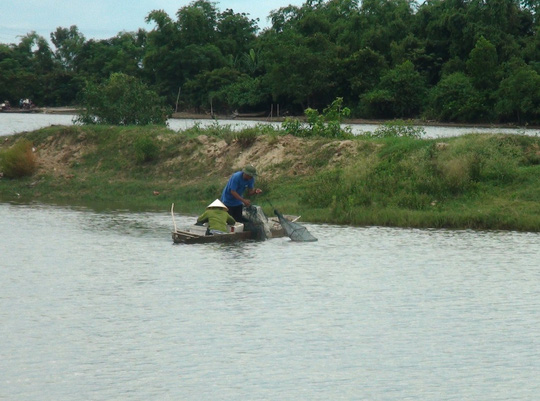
(238, 184)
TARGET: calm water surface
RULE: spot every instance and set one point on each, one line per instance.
(11, 123)
(102, 306)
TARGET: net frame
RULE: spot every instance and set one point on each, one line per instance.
(296, 232)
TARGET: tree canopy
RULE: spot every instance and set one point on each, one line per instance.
(450, 60)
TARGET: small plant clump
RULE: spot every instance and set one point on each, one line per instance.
(397, 128)
(146, 149)
(18, 161)
(327, 124)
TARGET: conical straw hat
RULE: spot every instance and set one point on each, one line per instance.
(218, 203)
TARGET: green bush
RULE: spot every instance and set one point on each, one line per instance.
(455, 98)
(121, 100)
(18, 161)
(327, 124)
(246, 137)
(293, 127)
(146, 149)
(398, 128)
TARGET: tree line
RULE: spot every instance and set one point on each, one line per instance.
(444, 60)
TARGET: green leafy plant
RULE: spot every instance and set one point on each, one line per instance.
(327, 124)
(292, 126)
(398, 128)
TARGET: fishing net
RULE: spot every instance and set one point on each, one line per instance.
(257, 222)
(295, 231)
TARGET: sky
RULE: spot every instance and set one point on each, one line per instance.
(103, 19)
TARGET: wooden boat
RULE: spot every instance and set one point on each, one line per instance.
(249, 115)
(196, 234)
(17, 110)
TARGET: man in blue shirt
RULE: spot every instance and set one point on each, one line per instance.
(233, 193)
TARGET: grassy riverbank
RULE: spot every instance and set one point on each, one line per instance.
(473, 181)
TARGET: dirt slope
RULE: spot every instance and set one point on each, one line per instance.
(274, 156)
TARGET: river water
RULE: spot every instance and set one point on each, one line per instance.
(100, 305)
(11, 123)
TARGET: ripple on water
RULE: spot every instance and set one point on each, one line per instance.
(103, 306)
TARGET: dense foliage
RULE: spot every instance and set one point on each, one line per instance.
(447, 60)
(121, 100)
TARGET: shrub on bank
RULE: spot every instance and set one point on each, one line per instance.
(18, 161)
(398, 128)
(146, 149)
(122, 100)
(327, 124)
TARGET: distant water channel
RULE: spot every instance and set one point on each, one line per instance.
(11, 123)
(102, 306)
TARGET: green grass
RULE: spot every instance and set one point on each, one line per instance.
(473, 181)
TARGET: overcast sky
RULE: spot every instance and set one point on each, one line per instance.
(103, 19)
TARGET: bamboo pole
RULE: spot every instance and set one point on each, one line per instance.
(177, 98)
(172, 213)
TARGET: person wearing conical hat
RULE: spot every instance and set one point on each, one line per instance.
(217, 217)
(233, 194)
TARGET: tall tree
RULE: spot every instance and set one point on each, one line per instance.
(197, 23)
(519, 96)
(235, 33)
(400, 93)
(301, 70)
(385, 21)
(483, 66)
(178, 51)
(34, 65)
(455, 99)
(360, 72)
(68, 43)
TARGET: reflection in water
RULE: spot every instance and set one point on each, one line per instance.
(104, 306)
(123, 223)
